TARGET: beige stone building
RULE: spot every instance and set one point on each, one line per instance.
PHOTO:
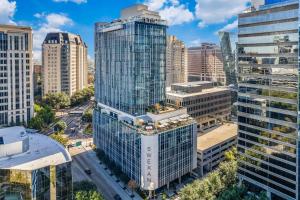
(176, 60)
(65, 67)
(206, 63)
(208, 104)
(16, 75)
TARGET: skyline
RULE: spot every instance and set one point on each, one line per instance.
(200, 17)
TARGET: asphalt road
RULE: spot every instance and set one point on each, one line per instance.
(101, 184)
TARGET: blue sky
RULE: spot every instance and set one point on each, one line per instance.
(193, 21)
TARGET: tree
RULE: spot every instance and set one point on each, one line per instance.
(82, 96)
(56, 100)
(60, 126)
(87, 116)
(84, 186)
(231, 154)
(44, 116)
(58, 136)
(88, 195)
(132, 185)
(86, 190)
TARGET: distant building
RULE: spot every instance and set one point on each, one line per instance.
(151, 142)
(37, 80)
(65, 67)
(208, 104)
(212, 146)
(228, 58)
(176, 58)
(206, 62)
(33, 166)
(16, 84)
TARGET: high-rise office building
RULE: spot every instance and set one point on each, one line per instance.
(176, 59)
(151, 142)
(16, 89)
(33, 166)
(206, 62)
(65, 67)
(228, 58)
(268, 98)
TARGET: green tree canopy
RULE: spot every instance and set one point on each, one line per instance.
(60, 126)
(58, 136)
(82, 96)
(56, 100)
(88, 195)
(43, 117)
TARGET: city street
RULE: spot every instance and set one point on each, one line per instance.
(85, 158)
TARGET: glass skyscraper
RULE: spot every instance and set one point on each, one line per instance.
(268, 98)
(151, 142)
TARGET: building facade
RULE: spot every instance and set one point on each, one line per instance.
(211, 147)
(65, 67)
(268, 98)
(37, 79)
(132, 124)
(16, 89)
(206, 62)
(209, 105)
(176, 58)
(33, 166)
(228, 58)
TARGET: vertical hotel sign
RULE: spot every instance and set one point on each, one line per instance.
(149, 162)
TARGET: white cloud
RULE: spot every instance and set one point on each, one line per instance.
(74, 1)
(53, 22)
(176, 15)
(171, 10)
(230, 27)
(155, 4)
(7, 11)
(218, 11)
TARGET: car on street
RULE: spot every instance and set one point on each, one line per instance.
(117, 197)
(88, 171)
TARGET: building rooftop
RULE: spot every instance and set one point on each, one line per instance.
(37, 150)
(216, 136)
(204, 91)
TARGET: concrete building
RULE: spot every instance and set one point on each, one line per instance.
(65, 67)
(151, 142)
(268, 98)
(176, 58)
(212, 146)
(16, 89)
(33, 166)
(206, 62)
(208, 104)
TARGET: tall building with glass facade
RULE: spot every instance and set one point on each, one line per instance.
(151, 142)
(33, 166)
(228, 58)
(268, 98)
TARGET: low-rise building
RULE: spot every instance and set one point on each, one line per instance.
(212, 146)
(33, 166)
(208, 104)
